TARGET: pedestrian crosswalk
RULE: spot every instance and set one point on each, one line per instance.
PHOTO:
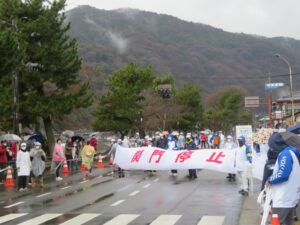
(95, 218)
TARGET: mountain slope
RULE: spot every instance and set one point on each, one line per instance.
(191, 52)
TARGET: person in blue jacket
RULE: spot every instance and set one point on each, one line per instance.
(285, 180)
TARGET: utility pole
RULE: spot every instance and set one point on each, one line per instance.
(270, 103)
(15, 89)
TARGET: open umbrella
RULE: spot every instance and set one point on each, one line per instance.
(68, 133)
(77, 137)
(10, 137)
(295, 129)
(37, 137)
(175, 133)
(291, 139)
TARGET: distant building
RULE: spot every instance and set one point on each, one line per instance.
(282, 109)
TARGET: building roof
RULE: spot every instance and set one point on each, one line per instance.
(288, 98)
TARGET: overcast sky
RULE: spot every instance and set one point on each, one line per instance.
(262, 17)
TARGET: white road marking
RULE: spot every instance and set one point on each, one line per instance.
(117, 203)
(41, 219)
(2, 202)
(84, 181)
(157, 179)
(81, 219)
(122, 219)
(211, 220)
(9, 217)
(39, 196)
(166, 220)
(65, 187)
(9, 206)
(134, 193)
(147, 185)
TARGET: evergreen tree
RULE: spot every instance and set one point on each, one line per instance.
(189, 96)
(228, 110)
(10, 56)
(51, 87)
(119, 110)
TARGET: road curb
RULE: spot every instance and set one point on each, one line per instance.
(250, 214)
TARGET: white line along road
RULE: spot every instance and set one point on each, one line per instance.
(65, 187)
(9, 206)
(81, 219)
(42, 195)
(134, 193)
(117, 203)
(41, 219)
(147, 185)
(9, 217)
(157, 179)
(166, 220)
(122, 219)
(212, 220)
(84, 181)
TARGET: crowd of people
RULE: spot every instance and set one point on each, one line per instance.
(28, 160)
(177, 141)
(281, 172)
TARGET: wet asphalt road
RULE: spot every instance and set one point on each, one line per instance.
(136, 199)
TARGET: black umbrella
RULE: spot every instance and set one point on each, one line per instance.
(77, 137)
(295, 129)
(291, 139)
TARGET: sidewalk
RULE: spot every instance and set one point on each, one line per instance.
(250, 214)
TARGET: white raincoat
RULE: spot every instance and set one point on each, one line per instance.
(23, 163)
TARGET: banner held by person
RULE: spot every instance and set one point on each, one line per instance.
(150, 158)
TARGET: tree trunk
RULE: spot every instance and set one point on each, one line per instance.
(49, 133)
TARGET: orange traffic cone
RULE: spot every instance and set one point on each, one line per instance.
(9, 182)
(110, 161)
(83, 169)
(100, 163)
(275, 220)
(65, 170)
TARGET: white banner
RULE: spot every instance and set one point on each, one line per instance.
(151, 158)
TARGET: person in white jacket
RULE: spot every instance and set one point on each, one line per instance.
(23, 164)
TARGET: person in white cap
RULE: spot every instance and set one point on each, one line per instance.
(181, 141)
(38, 157)
(229, 144)
(23, 165)
(112, 154)
(125, 142)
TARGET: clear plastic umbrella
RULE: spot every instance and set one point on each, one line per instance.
(10, 137)
(68, 133)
